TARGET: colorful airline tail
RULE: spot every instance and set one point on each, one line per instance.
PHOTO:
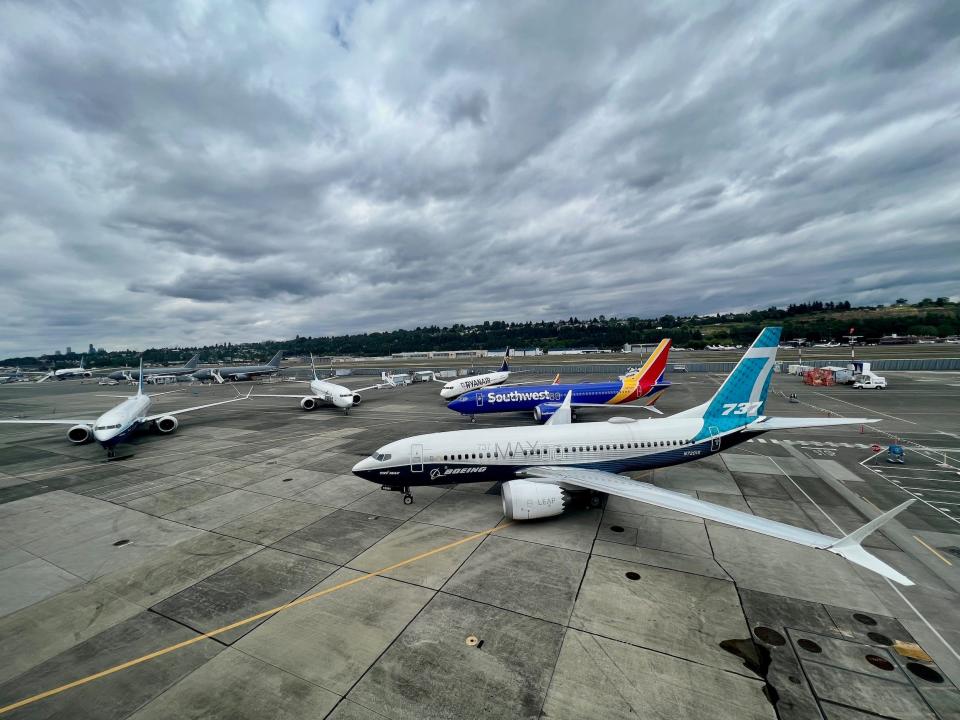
(314, 366)
(640, 383)
(504, 367)
(743, 395)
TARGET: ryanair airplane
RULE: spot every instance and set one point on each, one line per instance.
(646, 384)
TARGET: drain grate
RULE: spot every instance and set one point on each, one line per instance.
(121, 543)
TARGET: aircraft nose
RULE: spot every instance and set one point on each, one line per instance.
(364, 468)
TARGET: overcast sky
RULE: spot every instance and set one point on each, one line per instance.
(196, 172)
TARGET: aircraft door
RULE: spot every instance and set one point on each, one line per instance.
(714, 438)
(416, 458)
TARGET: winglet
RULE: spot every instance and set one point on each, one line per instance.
(564, 413)
(849, 546)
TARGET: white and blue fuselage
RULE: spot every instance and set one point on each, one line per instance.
(118, 423)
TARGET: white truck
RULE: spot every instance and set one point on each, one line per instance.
(864, 378)
(869, 381)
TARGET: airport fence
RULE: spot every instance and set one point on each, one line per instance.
(610, 369)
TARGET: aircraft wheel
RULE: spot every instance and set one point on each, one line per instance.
(408, 499)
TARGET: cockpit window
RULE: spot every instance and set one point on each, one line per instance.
(382, 457)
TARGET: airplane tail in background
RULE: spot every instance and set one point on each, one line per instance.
(193, 363)
(743, 395)
(505, 367)
(275, 362)
(741, 400)
(314, 366)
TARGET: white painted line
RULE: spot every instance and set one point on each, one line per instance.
(861, 407)
(891, 584)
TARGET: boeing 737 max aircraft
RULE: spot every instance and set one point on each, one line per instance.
(119, 423)
(324, 392)
(543, 468)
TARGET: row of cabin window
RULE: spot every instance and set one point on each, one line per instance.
(588, 448)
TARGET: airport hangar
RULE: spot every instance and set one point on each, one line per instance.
(439, 609)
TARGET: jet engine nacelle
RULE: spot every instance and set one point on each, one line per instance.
(544, 411)
(241, 377)
(87, 375)
(356, 399)
(525, 500)
(80, 434)
(308, 403)
(167, 424)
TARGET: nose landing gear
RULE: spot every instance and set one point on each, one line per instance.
(407, 495)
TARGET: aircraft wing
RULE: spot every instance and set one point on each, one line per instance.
(847, 546)
(48, 422)
(790, 423)
(379, 386)
(195, 407)
(301, 396)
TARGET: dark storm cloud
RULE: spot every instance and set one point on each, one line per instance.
(195, 172)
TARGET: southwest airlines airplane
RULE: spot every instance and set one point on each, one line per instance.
(645, 384)
(544, 469)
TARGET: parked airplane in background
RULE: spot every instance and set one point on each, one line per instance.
(16, 376)
(719, 348)
(187, 368)
(243, 372)
(458, 387)
(645, 384)
(827, 345)
(118, 423)
(544, 468)
(67, 373)
(329, 393)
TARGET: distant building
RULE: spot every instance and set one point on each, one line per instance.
(640, 348)
(898, 339)
(91, 350)
(69, 349)
(446, 354)
(57, 352)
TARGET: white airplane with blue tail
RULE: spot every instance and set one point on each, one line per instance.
(545, 468)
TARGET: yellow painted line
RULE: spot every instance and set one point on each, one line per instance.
(245, 621)
(933, 550)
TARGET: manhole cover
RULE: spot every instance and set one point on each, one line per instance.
(769, 635)
(925, 673)
(471, 640)
(633, 576)
(879, 662)
(880, 639)
(616, 528)
(809, 645)
(865, 619)
(121, 543)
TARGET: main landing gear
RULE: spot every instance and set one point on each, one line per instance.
(111, 453)
(407, 495)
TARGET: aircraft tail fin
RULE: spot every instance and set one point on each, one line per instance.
(849, 546)
(81, 362)
(314, 366)
(741, 398)
(275, 361)
(506, 356)
(193, 363)
(140, 380)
